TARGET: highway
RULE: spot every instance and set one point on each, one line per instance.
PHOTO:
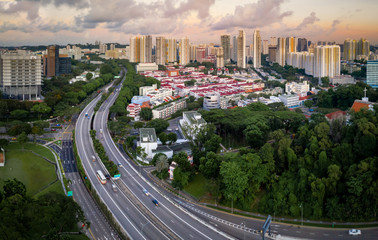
(99, 228)
(176, 220)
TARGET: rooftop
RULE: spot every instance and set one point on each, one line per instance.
(194, 117)
(147, 135)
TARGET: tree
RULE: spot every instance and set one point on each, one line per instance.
(235, 180)
(210, 165)
(22, 139)
(41, 108)
(180, 178)
(105, 69)
(146, 114)
(308, 103)
(163, 137)
(182, 161)
(159, 124)
(19, 114)
(89, 76)
(161, 163)
(13, 187)
(172, 138)
(138, 125)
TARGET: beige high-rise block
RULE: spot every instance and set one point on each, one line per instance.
(226, 45)
(160, 55)
(281, 51)
(220, 57)
(257, 49)
(241, 40)
(184, 51)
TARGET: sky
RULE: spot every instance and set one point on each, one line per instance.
(43, 22)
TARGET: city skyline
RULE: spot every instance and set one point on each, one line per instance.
(84, 21)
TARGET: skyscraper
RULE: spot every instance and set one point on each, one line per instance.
(273, 41)
(302, 45)
(141, 49)
(52, 61)
(349, 49)
(193, 52)
(327, 61)
(234, 49)
(112, 46)
(272, 53)
(257, 49)
(225, 43)
(184, 51)
(265, 47)
(291, 44)
(102, 48)
(220, 57)
(281, 53)
(160, 55)
(372, 73)
(171, 48)
(241, 49)
(363, 48)
(20, 75)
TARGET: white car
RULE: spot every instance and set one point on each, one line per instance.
(146, 192)
(354, 232)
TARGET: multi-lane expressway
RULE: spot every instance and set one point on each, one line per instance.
(181, 219)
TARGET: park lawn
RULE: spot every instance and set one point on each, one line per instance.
(40, 150)
(27, 167)
(196, 187)
(55, 187)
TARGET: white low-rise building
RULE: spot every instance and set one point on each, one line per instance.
(167, 110)
(211, 101)
(297, 87)
(143, 91)
(191, 123)
(290, 101)
(147, 141)
(342, 79)
(141, 67)
(134, 110)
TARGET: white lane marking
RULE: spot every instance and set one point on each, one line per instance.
(87, 158)
(110, 148)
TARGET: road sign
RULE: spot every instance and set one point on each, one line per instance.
(117, 176)
(266, 226)
(69, 194)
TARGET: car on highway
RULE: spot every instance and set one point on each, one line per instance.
(155, 202)
(114, 187)
(146, 192)
(107, 176)
(354, 232)
(53, 129)
(119, 165)
(93, 158)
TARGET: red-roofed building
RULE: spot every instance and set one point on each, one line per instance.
(358, 105)
(335, 115)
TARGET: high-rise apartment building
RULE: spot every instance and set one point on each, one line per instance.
(272, 53)
(193, 53)
(200, 54)
(363, 48)
(112, 47)
(302, 45)
(234, 48)
(55, 64)
(281, 51)
(265, 47)
(20, 75)
(327, 61)
(160, 54)
(257, 49)
(291, 44)
(171, 50)
(184, 51)
(273, 41)
(103, 48)
(141, 49)
(241, 49)
(372, 73)
(220, 57)
(350, 49)
(226, 45)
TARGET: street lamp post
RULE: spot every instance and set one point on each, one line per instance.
(302, 212)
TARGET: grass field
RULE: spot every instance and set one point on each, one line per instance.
(32, 170)
(197, 187)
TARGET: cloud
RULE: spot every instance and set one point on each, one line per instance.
(307, 21)
(57, 27)
(6, 26)
(254, 15)
(200, 6)
(334, 24)
(28, 7)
